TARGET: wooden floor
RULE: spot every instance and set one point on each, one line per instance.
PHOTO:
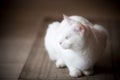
(22, 29)
(38, 66)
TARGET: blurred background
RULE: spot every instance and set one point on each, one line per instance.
(21, 20)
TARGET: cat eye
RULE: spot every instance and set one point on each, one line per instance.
(66, 37)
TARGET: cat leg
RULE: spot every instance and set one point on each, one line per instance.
(74, 72)
(60, 63)
(88, 72)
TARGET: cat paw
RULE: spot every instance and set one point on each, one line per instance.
(60, 64)
(88, 72)
(75, 73)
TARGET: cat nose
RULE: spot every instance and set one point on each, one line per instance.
(60, 42)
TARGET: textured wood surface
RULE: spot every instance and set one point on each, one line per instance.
(38, 65)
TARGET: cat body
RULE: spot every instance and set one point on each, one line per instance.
(76, 43)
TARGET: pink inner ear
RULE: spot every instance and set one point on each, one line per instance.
(79, 29)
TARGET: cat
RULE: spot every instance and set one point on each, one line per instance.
(76, 43)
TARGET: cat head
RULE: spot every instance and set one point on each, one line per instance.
(73, 35)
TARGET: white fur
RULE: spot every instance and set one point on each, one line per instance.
(80, 50)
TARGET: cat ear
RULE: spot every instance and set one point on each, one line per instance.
(66, 17)
(80, 28)
(69, 20)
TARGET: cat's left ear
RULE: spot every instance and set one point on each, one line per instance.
(80, 29)
(68, 19)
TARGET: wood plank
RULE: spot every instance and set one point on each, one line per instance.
(10, 70)
(17, 34)
(35, 60)
(8, 79)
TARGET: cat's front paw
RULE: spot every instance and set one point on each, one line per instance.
(88, 72)
(60, 64)
(75, 73)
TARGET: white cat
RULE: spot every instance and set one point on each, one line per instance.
(76, 43)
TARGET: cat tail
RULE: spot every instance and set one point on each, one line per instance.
(108, 44)
(108, 41)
